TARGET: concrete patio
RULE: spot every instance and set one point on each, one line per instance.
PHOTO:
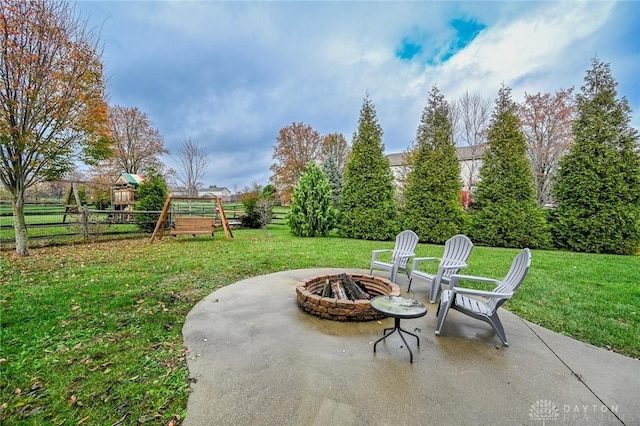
(256, 359)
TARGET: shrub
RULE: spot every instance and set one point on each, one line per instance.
(312, 213)
(258, 206)
(151, 196)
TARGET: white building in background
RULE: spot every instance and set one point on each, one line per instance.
(212, 191)
(215, 191)
(470, 161)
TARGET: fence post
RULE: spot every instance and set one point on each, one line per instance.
(85, 221)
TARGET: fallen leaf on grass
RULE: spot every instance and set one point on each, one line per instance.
(119, 422)
(83, 420)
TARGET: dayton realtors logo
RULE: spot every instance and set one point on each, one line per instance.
(544, 411)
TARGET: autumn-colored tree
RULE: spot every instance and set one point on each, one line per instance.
(192, 160)
(52, 98)
(470, 116)
(546, 121)
(297, 144)
(137, 145)
(432, 195)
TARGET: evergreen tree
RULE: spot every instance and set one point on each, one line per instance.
(504, 212)
(151, 196)
(311, 213)
(334, 175)
(368, 208)
(432, 196)
(598, 185)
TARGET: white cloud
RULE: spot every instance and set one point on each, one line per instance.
(231, 74)
(527, 51)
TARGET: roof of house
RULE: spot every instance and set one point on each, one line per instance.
(211, 188)
(215, 188)
(396, 159)
(464, 153)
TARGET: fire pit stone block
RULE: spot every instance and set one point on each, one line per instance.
(343, 309)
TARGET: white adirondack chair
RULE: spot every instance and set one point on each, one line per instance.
(456, 252)
(465, 300)
(406, 243)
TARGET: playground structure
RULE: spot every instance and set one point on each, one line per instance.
(71, 197)
(120, 212)
(189, 224)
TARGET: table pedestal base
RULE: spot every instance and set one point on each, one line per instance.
(400, 330)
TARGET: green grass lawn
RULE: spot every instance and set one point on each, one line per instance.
(91, 333)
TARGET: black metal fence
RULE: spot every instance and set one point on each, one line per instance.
(53, 223)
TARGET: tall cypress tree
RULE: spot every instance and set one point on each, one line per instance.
(598, 185)
(504, 212)
(367, 202)
(432, 196)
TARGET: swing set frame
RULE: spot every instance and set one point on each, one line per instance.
(191, 225)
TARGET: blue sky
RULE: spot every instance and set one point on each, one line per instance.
(229, 75)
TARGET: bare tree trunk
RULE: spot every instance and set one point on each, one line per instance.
(19, 224)
(470, 117)
(192, 159)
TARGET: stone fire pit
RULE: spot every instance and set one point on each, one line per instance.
(310, 299)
